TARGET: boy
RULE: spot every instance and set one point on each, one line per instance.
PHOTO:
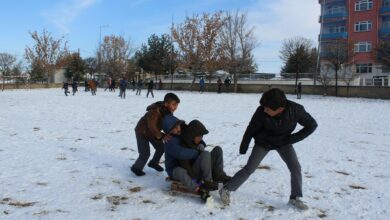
(188, 162)
(65, 87)
(74, 87)
(148, 130)
(271, 126)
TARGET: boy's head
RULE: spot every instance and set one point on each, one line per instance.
(274, 101)
(171, 102)
(172, 125)
(193, 133)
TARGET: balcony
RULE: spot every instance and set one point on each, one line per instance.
(341, 35)
(384, 10)
(384, 32)
(336, 16)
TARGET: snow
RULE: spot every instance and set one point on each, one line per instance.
(69, 157)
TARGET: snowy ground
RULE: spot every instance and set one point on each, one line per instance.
(69, 157)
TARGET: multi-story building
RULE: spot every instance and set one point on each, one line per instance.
(362, 25)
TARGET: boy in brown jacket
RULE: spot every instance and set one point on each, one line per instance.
(148, 130)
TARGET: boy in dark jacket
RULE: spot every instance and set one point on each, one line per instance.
(65, 87)
(148, 130)
(74, 87)
(271, 126)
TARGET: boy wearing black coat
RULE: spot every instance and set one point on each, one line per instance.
(272, 127)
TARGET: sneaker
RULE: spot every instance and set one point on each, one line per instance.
(204, 194)
(225, 195)
(299, 204)
(223, 179)
(156, 167)
(137, 172)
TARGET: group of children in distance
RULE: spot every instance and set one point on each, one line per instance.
(187, 161)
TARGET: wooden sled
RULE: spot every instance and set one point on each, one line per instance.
(177, 186)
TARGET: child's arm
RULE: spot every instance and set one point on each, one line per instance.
(173, 148)
(309, 126)
(152, 120)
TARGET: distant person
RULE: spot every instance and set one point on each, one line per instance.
(86, 88)
(150, 88)
(109, 80)
(112, 89)
(299, 90)
(65, 87)
(160, 85)
(122, 88)
(227, 84)
(201, 85)
(133, 84)
(139, 87)
(74, 87)
(92, 84)
(219, 84)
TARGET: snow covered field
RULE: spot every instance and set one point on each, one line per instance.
(69, 157)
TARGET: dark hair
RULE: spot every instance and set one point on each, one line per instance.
(273, 99)
(169, 97)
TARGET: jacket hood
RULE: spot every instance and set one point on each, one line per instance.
(170, 122)
(193, 129)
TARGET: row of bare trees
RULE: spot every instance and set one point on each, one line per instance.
(218, 41)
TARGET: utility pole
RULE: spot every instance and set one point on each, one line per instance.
(171, 57)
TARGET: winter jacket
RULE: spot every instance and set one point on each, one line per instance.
(150, 125)
(175, 152)
(276, 132)
(123, 84)
(151, 85)
(193, 129)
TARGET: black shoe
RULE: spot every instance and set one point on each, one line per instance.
(223, 179)
(156, 167)
(137, 172)
(211, 186)
(203, 193)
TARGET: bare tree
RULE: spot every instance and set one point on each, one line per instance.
(6, 65)
(348, 76)
(325, 77)
(383, 51)
(116, 51)
(47, 51)
(237, 43)
(296, 53)
(337, 53)
(197, 40)
(91, 64)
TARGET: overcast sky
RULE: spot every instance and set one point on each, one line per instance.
(79, 22)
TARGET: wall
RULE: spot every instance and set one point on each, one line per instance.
(343, 91)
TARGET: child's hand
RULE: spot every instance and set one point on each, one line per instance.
(200, 147)
(166, 138)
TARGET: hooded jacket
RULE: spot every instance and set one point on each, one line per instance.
(275, 132)
(150, 125)
(193, 129)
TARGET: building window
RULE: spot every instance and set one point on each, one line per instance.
(364, 68)
(363, 26)
(386, 24)
(363, 5)
(335, 29)
(363, 47)
(335, 10)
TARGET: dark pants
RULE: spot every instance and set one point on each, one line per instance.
(144, 151)
(150, 91)
(207, 166)
(288, 155)
(122, 93)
